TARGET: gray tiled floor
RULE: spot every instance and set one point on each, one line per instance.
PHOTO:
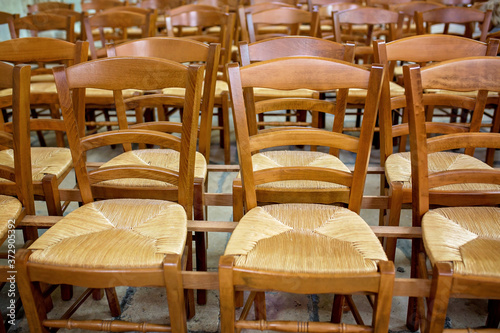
(150, 303)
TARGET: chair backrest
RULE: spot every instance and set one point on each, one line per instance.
(182, 50)
(17, 78)
(49, 5)
(121, 73)
(119, 21)
(41, 22)
(424, 49)
(369, 16)
(475, 73)
(95, 6)
(204, 19)
(39, 51)
(244, 10)
(408, 9)
(318, 74)
(284, 16)
(469, 17)
(8, 18)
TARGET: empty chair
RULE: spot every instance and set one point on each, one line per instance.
(462, 240)
(472, 19)
(49, 5)
(302, 247)
(409, 9)
(50, 164)
(131, 242)
(61, 25)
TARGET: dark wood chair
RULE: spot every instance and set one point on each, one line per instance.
(134, 242)
(461, 233)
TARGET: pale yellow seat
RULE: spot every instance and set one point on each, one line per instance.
(163, 158)
(11, 209)
(119, 233)
(398, 169)
(44, 160)
(477, 231)
(358, 96)
(288, 158)
(305, 238)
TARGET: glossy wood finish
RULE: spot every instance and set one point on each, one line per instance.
(469, 17)
(130, 72)
(40, 50)
(446, 283)
(40, 22)
(18, 79)
(183, 50)
(409, 9)
(277, 74)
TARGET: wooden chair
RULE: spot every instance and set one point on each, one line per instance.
(95, 6)
(460, 241)
(16, 78)
(8, 18)
(79, 26)
(134, 242)
(396, 182)
(47, 22)
(292, 18)
(210, 26)
(184, 51)
(326, 11)
(269, 101)
(362, 25)
(242, 20)
(119, 22)
(291, 247)
(50, 164)
(409, 9)
(469, 17)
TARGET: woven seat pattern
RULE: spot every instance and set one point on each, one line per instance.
(305, 238)
(358, 96)
(44, 160)
(121, 233)
(398, 168)
(220, 87)
(164, 158)
(10, 210)
(38, 87)
(283, 158)
(469, 237)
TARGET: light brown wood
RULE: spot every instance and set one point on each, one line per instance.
(278, 74)
(114, 71)
(39, 22)
(446, 281)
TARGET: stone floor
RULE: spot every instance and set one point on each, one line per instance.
(149, 304)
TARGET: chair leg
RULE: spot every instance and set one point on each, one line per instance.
(200, 238)
(51, 194)
(114, 304)
(189, 293)
(337, 308)
(396, 202)
(442, 279)
(226, 131)
(495, 128)
(259, 304)
(412, 315)
(227, 296)
(382, 310)
(175, 293)
(31, 294)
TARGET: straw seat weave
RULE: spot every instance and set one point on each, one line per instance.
(36, 87)
(10, 210)
(468, 237)
(398, 168)
(118, 233)
(358, 96)
(220, 87)
(284, 158)
(305, 238)
(164, 158)
(44, 160)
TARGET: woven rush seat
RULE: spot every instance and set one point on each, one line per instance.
(44, 160)
(463, 235)
(358, 96)
(284, 158)
(398, 168)
(305, 238)
(11, 208)
(113, 234)
(164, 158)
